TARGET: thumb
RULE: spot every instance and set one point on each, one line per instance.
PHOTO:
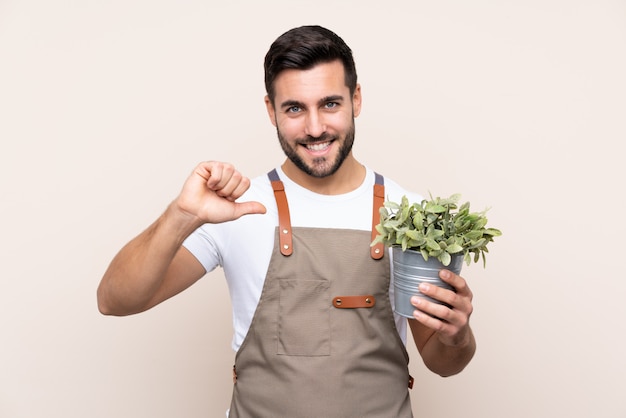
(248, 208)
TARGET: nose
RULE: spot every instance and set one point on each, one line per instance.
(314, 124)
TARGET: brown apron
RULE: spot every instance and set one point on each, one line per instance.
(323, 341)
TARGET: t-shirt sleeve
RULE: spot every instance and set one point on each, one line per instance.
(202, 245)
(210, 243)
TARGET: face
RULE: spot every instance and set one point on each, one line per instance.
(314, 113)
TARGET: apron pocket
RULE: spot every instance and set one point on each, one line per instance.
(304, 318)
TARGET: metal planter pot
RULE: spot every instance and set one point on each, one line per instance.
(410, 269)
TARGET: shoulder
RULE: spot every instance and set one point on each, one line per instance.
(394, 191)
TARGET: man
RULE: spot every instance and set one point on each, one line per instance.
(315, 334)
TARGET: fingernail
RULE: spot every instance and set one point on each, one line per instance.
(415, 300)
(424, 287)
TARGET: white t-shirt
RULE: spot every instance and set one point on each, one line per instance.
(243, 247)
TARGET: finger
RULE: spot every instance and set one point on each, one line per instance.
(234, 187)
(445, 296)
(425, 312)
(203, 170)
(224, 179)
(456, 281)
(431, 308)
(248, 208)
(439, 318)
(454, 300)
(221, 174)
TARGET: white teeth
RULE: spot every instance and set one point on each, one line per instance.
(318, 147)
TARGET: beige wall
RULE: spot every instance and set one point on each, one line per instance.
(105, 107)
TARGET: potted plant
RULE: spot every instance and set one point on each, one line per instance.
(428, 236)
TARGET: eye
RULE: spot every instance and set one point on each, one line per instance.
(293, 109)
(331, 105)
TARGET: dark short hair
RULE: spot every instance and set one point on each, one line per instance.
(303, 48)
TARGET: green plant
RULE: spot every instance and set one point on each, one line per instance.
(437, 228)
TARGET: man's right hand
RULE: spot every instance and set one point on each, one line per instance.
(154, 266)
(210, 193)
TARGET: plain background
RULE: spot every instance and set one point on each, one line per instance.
(106, 107)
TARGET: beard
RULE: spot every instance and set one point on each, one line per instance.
(321, 166)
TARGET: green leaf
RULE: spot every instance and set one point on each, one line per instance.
(391, 205)
(480, 223)
(445, 258)
(473, 235)
(454, 248)
(434, 208)
(418, 221)
(437, 233)
(431, 244)
(412, 234)
(478, 244)
(417, 243)
(493, 232)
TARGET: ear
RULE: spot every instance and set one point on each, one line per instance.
(270, 110)
(356, 101)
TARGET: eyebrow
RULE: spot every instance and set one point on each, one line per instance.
(327, 99)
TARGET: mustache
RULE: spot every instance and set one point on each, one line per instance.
(325, 137)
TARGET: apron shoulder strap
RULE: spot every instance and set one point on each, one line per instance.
(284, 219)
(377, 251)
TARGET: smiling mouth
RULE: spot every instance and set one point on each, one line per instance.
(321, 146)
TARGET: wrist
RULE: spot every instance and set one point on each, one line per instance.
(461, 340)
(179, 221)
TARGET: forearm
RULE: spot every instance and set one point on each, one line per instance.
(137, 272)
(448, 360)
(153, 267)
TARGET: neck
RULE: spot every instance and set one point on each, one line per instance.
(347, 178)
